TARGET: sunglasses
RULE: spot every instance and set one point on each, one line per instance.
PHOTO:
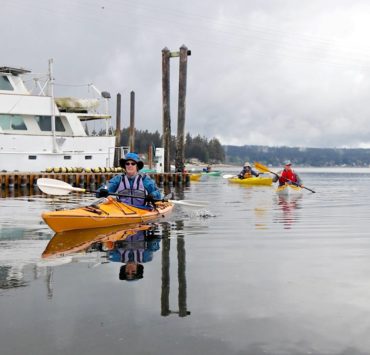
(130, 163)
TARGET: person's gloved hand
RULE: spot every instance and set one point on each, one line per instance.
(150, 198)
(102, 193)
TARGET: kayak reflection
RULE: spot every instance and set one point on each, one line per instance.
(289, 205)
(81, 240)
(133, 246)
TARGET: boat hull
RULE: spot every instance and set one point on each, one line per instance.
(33, 153)
(288, 189)
(107, 214)
(212, 173)
(264, 181)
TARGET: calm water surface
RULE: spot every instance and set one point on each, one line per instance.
(251, 274)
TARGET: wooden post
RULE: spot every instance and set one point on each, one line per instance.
(180, 141)
(132, 122)
(165, 289)
(166, 140)
(150, 156)
(117, 149)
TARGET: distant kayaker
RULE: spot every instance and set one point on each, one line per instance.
(287, 175)
(247, 171)
(208, 169)
(139, 188)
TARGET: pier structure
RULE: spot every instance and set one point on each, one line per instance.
(9, 180)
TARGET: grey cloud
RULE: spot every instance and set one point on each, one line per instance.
(271, 73)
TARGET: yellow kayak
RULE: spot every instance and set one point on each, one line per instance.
(106, 214)
(288, 189)
(195, 177)
(266, 181)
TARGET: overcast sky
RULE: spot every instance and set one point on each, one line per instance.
(264, 72)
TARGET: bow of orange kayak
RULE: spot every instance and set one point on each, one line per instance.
(106, 214)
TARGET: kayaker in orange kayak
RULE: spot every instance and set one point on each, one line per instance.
(139, 188)
(287, 175)
(247, 171)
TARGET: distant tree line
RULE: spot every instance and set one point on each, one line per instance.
(207, 151)
(299, 156)
(211, 151)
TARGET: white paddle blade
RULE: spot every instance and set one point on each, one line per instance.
(56, 187)
(198, 202)
(185, 203)
(228, 176)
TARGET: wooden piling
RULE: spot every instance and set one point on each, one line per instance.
(180, 140)
(117, 150)
(166, 140)
(132, 122)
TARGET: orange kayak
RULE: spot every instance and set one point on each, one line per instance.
(106, 214)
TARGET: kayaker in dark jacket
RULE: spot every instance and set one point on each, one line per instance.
(247, 171)
(287, 175)
(138, 188)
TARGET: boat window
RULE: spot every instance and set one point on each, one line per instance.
(44, 123)
(5, 121)
(88, 157)
(8, 122)
(32, 157)
(18, 123)
(5, 83)
(67, 157)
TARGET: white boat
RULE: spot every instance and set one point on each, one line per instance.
(38, 131)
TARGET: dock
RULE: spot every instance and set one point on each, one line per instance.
(11, 180)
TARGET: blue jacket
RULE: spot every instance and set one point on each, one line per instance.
(149, 185)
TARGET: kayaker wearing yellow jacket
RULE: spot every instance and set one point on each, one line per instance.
(247, 171)
(138, 188)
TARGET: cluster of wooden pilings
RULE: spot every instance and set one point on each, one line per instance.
(84, 180)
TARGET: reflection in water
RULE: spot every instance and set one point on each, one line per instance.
(289, 205)
(87, 240)
(133, 251)
(133, 247)
(181, 268)
(11, 277)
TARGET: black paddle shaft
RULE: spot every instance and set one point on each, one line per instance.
(167, 197)
(292, 182)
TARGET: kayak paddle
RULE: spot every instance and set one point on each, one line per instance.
(265, 169)
(60, 188)
(228, 176)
